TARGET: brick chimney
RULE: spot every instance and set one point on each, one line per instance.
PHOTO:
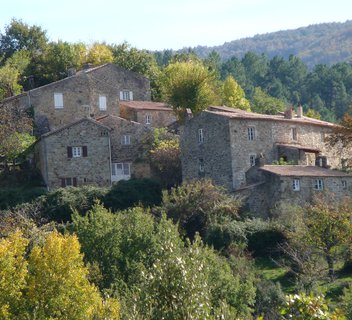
(299, 112)
(289, 113)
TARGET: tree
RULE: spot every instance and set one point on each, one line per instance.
(9, 78)
(187, 85)
(49, 282)
(342, 135)
(264, 103)
(13, 271)
(99, 53)
(20, 36)
(233, 95)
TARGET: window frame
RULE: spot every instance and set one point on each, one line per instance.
(251, 132)
(126, 95)
(58, 100)
(296, 184)
(294, 136)
(125, 167)
(126, 139)
(201, 168)
(77, 152)
(102, 102)
(200, 136)
(319, 184)
(252, 158)
(148, 119)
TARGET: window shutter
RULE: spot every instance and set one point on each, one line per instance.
(85, 151)
(113, 169)
(121, 95)
(102, 103)
(131, 95)
(63, 184)
(69, 152)
(74, 182)
(58, 100)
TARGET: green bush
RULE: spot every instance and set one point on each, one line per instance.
(59, 204)
(127, 193)
(11, 197)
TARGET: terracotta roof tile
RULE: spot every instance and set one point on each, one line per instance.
(146, 105)
(233, 113)
(307, 171)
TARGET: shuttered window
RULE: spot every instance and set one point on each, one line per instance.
(102, 103)
(77, 152)
(58, 100)
(126, 95)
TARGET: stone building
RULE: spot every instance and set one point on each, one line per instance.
(270, 185)
(90, 92)
(222, 143)
(155, 114)
(128, 148)
(75, 154)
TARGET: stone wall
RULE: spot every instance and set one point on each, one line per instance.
(81, 96)
(134, 152)
(214, 151)
(92, 169)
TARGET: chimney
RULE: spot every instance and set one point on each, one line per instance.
(87, 66)
(71, 72)
(299, 112)
(289, 113)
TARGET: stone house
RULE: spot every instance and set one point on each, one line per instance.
(222, 143)
(90, 92)
(270, 185)
(128, 148)
(155, 114)
(75, 154)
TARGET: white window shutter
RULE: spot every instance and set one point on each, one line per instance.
(102, 103)
(131, 95)
(58, 100)
(121, 95)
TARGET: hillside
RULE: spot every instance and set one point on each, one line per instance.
(326, 43)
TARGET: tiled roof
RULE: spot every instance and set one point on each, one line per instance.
(307, 171)
(109, 117)
(233, 113)
(73, 124)
(146, 105)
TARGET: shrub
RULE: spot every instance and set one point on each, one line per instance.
(125, 194)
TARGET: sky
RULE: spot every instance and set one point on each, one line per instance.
(169, 24)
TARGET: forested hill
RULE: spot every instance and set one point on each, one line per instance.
(326, 43)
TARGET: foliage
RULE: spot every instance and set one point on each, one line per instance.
(233, 95)
(264, 103)
(99, 53)
(282, 162)
(50, 283)
(127, 193)
(342, 135)
(155, 273)
(11, 197)
(303, 307)
(59, 204)
(311, 113)
(166, 161)
(197, 204)
(187, 85)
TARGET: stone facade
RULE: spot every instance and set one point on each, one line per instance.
(92, 92)
(155, 114)
(76, 154)
(273, 185)
(234, 138)
(128, 141)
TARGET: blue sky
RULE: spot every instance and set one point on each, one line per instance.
(170, 24)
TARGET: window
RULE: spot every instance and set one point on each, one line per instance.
(126, 139)
(126, 95)
(296, 185)
(200, 136)
(318, 184)
(148, 119)
(201, 166)
(252, 160)
(121, 169)
(251, 133)
(294, 134)
(344, 184)
(68, 182)
(77, 152)
(102, 103)
(58, 100)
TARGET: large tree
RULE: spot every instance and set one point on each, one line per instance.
(188, 85)
(233, 95)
